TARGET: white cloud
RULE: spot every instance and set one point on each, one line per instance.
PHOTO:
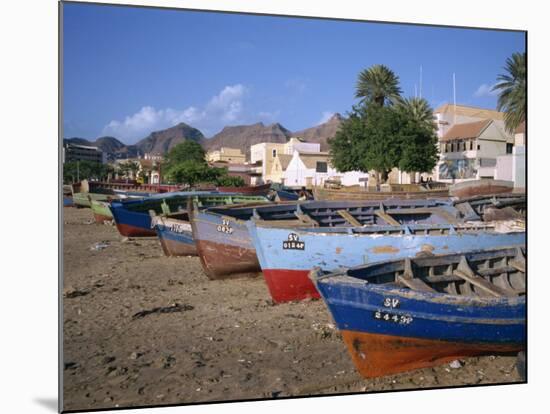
(325, 117)
(485, 90)
(223, 108)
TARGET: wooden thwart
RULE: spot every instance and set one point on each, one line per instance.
(410, 281)
(389, 219)
(349, 218)
(465, 272)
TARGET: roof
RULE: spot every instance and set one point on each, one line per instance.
(471, 111)
(465, 131)
(284, 160)
(521, 128)
(310, 159)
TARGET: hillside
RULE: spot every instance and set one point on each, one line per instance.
(164, 140)
(321, 133)
(243, 136)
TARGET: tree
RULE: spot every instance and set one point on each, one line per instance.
(378, 84)
(512, 91)
(79, 170)
(193, 172)
(418, 109)
(381, 138)
(185, 151)
(230, 181)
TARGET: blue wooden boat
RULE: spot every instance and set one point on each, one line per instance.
(405, 314)
(286, 255)
(175, 234)
(226, 250)
(133, 218)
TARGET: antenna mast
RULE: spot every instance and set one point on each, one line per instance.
(454, 99)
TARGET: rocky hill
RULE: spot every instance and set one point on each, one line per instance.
(321, 133)
(240, 136)
(243, 136)
(163, 141)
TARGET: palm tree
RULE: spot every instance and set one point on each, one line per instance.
(418, 108)
(378, 84)
(512, 92)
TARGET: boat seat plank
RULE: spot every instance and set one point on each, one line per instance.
(389, 219)
(304, 218)
(518, 265)
(414, 284)
(349, 218)
(481, 283)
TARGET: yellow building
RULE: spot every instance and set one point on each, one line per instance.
(224, 154)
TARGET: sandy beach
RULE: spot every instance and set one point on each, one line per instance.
(142, 329)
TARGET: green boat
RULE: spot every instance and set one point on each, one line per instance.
(83, 199)
(101, 210)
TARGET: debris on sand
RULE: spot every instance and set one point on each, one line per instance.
(176, 307)
(99, 246)
(456, 364)
(71, 292)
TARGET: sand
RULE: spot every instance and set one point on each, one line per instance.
(142, 329)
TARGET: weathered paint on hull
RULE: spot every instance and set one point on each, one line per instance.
(175, 248)
(223, 261)
(99, 218)
(376, 355)
(289, 285)
(330, 250)
(224, 246)
(329, 194)
(133, 231)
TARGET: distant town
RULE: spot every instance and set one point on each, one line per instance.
(473, 144)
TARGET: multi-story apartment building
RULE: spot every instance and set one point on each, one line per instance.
(74, 152)
(224, 154)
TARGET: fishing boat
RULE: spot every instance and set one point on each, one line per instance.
(133, 218)
(258, 190)
(226, 249)
(286, 255)
(401, 191)
(482, 186)
(101, 210)
(82, 199)
(175, 234)
(493, 207)
(406, 314)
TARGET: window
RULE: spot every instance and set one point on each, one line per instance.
(321, 167)
(509, 148)
(464, 147)
(452, 147)
(478, 147)
(274, 153)
(445, 148)
(471, 145)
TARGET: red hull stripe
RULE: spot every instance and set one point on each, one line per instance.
(131, 231)
(289, 285)
(376, 355)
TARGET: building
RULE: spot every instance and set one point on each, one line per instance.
(224, 154)
(265, 154)
(247, 172)
(470, 151)
(74, 152)
(448, 115)
(312, 169)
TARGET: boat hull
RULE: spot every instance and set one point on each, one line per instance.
(224, 246)
(286, 268)
(176, 238)
(379, 355)
(389, 329)
(481, 187)
(331, 194)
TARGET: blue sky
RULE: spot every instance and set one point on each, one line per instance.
(129, 71)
